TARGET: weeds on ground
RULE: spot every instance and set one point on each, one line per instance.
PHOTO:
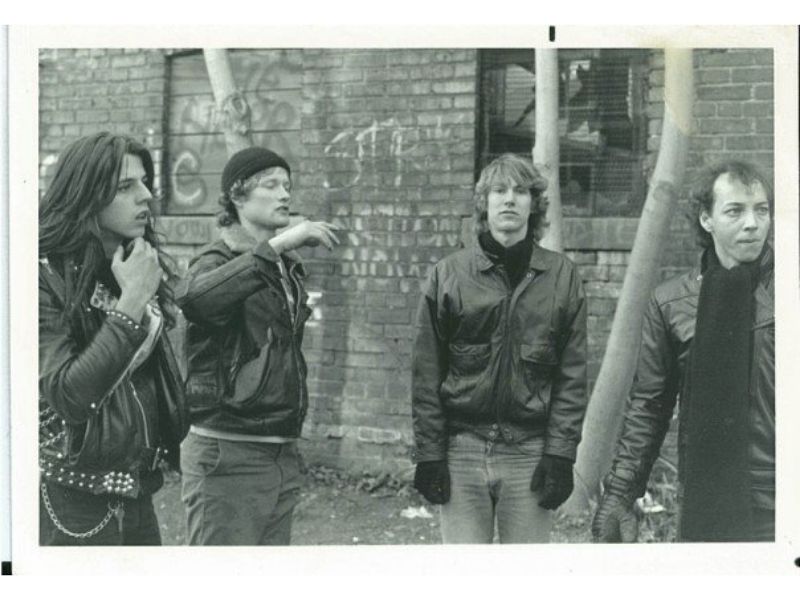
(379, 485)
(657, 512)
(659, 508)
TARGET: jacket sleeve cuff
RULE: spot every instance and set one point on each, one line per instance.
(428, 454)
(620, 486)
(561, 447)
(127, 323)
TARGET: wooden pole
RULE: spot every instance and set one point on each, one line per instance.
(546, 147)
(233, 111)
(606, 409)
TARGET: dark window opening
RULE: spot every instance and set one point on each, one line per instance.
(602, 123)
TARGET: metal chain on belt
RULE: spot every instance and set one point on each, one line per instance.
(112, 510)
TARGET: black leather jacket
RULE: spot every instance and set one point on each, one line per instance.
(667, 335)
(499, 361)
(103, 427)
(246, 372)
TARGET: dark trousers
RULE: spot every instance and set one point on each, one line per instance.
(763, 525)
(762, 528)
(239, 493)
(80, 512)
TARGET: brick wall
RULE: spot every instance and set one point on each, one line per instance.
(89, 90)
(388, 153)
(388, 141)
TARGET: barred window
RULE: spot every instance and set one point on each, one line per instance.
(271, 82)
(602, 123)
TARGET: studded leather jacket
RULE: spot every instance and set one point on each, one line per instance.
(667, 334)
(104, 426)
(497, 361)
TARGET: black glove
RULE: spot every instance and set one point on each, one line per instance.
(432, 480)
(553, 476)
(615, 520)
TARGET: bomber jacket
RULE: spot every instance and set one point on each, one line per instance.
(667, 334)
(104, 426)
(246, 371)
(497, 361)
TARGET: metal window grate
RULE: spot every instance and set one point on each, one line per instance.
(602, 122)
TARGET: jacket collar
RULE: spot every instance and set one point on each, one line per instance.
(540, 258)
(767, 263)
(238, 240)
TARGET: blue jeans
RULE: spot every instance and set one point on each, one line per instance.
(239, 493)
(490, 480)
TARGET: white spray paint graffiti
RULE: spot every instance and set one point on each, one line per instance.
(183, 195)
(387, 139)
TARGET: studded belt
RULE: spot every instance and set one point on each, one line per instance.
(120, 483)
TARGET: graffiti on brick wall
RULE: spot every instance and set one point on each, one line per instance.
(271, 86)
(385, 148)
(188, 188)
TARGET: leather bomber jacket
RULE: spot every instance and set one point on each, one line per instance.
(101, 425)
(246, 371)
(497, 361)
(667, 333)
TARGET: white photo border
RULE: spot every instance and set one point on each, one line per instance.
(28, 557)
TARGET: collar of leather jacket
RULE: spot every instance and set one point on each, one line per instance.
(238, 240)
(766, 267)
(541, 259)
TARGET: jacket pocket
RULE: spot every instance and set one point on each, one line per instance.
(247, 378)
(201, 456)
(467, 365)
(468, 359)
(202, 392)
(537, 363)
(109, 439)
(266, 385)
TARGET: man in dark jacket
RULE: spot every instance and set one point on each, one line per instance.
(499, 373)
(246, 306)
(708, 337)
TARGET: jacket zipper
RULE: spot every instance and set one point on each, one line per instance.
(144, 417)
(236, 364)
(133, 358)
(512, 299)
(124, 372)
(295, 350)
(135, 395)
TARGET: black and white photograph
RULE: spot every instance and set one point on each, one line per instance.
(405, 297)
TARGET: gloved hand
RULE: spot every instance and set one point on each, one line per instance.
(432, 480)
(553, 476)
(615, 520)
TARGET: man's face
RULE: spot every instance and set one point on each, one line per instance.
(508, 207)
(267, 204)
(739, 220)
(128, 213)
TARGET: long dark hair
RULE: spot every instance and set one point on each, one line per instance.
(85, 182)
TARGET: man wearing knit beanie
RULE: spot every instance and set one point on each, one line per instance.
(246, 307)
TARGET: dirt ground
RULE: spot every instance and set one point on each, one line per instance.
(328, 515)
(337, 509)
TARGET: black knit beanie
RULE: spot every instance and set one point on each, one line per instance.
(248, 162)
